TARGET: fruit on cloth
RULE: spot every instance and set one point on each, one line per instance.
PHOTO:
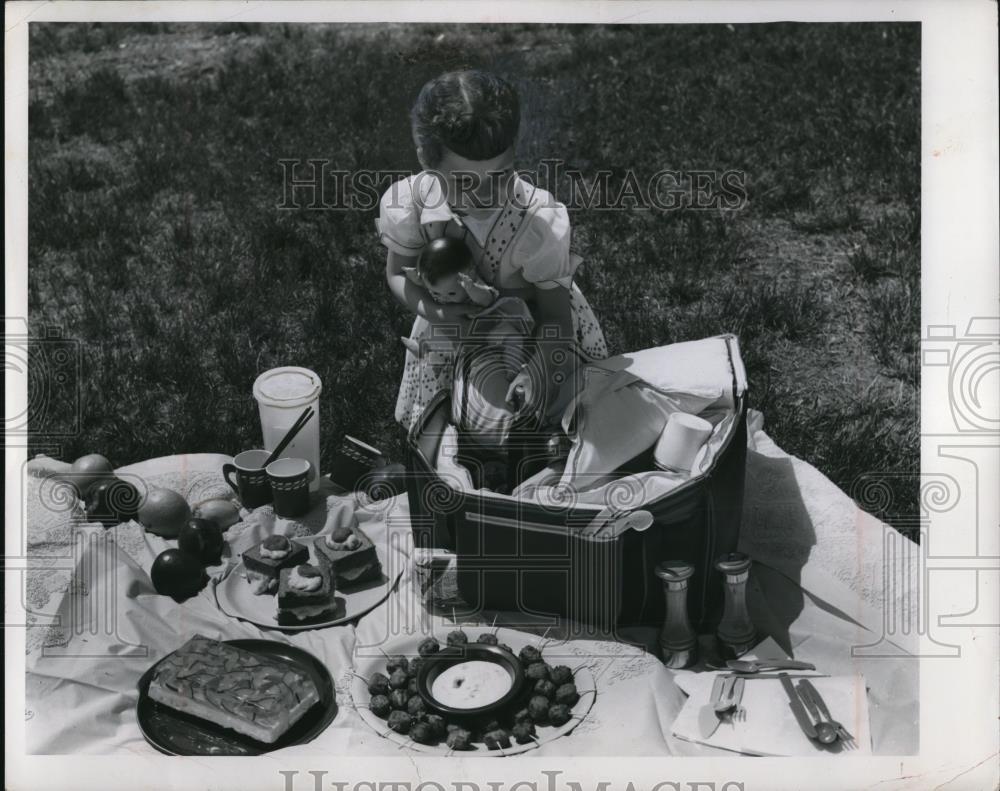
(164, 513)
(203, 539)
(223, 512)
(177, 573)
(87, 470)
(111, 501)
(529, 655)
(398, 679)
(415, 706)
(487, 638)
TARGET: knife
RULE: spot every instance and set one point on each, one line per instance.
(756, 665)
(708, 720)
(798, 709)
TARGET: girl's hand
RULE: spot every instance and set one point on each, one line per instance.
(521, 392)
(480, 293)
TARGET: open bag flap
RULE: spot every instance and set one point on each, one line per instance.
(712, 368)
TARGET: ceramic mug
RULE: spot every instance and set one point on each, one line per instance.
(289, 480)
(251, 482)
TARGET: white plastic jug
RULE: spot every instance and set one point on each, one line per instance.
(282, 395)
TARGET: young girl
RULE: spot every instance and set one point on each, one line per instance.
(464, 125)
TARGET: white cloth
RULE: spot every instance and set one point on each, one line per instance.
(801, 530)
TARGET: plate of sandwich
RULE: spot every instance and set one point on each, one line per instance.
(294, 584)
(238, 697)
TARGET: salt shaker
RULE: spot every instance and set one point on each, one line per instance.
(678, 641)
(736, 631)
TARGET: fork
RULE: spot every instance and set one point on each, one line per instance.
(731, 697)
(739, 712)
(825, 724)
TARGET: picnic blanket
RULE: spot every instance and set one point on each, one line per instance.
(95, 623)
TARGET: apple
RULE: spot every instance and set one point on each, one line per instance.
(178, 574)
(112, 501)
(201, 538)
(88, 470)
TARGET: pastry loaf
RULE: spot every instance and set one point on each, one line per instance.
(256, 696)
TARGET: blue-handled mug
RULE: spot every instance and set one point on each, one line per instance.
(251, 482)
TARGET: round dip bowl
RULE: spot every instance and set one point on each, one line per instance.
(436, 664)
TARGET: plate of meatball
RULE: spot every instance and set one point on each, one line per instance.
(398, 692)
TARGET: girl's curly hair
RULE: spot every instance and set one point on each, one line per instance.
(473, 113)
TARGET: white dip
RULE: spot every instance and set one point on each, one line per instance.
(469, 685)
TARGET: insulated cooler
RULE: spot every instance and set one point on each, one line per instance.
(592, 564)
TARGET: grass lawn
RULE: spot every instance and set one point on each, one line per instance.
(155, 240)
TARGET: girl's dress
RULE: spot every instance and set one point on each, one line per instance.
(526, 241)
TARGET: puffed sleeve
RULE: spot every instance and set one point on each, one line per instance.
(542, 251)
(398, 222)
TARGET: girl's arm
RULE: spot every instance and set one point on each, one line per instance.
(555, 354)
(415, 298)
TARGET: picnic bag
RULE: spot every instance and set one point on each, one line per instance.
(590, 563)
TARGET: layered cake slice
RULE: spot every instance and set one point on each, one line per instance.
(305, 592)
(264, 561)
(345, 548)
(256, 696)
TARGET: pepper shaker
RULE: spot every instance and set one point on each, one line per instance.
(736, 633)
(678, 641)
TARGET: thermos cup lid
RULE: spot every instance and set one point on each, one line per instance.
(289, 386)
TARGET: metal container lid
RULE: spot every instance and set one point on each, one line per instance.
(674, 570)
(733, 563)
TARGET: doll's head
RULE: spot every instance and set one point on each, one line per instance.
(471, 113)
(441, 264)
